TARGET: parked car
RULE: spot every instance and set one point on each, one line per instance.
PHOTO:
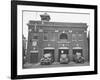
(46, 59)
(79, 58)
(64, 59)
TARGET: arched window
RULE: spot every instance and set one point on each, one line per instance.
(63, 36)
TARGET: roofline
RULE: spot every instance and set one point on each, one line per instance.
(57, 24)
(61, 26)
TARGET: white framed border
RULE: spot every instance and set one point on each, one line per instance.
(21, 71)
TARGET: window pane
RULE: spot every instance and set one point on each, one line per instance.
(80, 37)
(63, 36)
(35, 37)
(52, 36)
(45, 36)
(74, 37)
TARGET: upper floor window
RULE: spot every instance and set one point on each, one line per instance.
(35, 36)
(74, 37)
(52, 36)
(80, 37)
(45, 36)
(77, 36)
(63, 36)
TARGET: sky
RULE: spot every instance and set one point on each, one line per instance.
(55, 17)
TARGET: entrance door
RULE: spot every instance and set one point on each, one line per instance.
(34, 58)
(51, 51)
(62, 51)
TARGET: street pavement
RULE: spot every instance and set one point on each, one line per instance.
(55, 64)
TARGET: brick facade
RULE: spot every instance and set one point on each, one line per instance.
(56, 36)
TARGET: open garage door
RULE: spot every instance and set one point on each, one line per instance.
(50, 50)
(77, 52)
(62, 50)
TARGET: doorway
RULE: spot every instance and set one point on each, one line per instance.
(77, 53)
(62, 51)
(34, 57)
(50, 51)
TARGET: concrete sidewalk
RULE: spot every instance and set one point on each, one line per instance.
(55, 64)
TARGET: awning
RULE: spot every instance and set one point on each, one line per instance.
(34, 51)
(77, 48)
(49, 48)
(63, 48)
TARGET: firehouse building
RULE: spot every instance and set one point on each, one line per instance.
(56, 37)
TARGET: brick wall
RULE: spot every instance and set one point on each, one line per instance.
(76, 38)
